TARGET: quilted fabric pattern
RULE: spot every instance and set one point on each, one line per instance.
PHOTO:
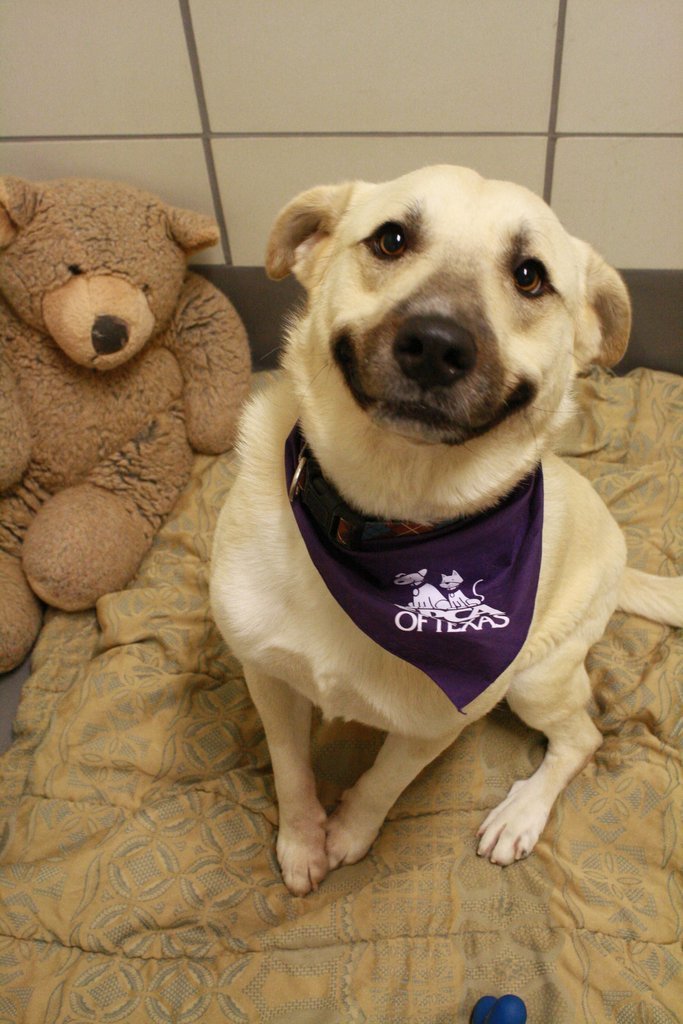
(138, 881)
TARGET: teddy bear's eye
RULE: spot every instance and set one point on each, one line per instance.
(74, 269)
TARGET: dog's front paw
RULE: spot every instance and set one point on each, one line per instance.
(511, 830)
(349, 836)
(302, 857)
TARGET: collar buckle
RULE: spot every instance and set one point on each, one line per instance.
(328, 509)
(297, 482)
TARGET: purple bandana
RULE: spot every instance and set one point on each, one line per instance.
(456, 601)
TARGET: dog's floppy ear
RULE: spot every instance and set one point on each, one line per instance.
(299, 229)
(604, 322)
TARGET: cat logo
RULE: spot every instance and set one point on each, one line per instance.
(444, 609)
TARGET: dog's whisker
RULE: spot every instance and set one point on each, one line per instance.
(271, 352)
(325, 366)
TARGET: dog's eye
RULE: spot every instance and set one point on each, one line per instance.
(531, 278)
(390, 241)
(74, 269)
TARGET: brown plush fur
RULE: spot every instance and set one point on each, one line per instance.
(115, 363)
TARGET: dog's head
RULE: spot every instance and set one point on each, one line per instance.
(454, 309)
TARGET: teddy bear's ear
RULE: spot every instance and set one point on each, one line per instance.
(18, 199)
(192, 231)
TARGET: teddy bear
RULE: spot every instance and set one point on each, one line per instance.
(116, 363)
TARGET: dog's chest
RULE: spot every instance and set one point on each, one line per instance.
(350, 688)
(306, 639)
(332, 689)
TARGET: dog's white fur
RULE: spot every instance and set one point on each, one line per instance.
(297, 646)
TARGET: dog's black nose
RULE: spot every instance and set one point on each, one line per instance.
(109, 334)
(434, 350)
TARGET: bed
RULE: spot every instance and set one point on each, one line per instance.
(138, 880)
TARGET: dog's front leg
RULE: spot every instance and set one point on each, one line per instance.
(353, 827)
(286, 717)
(510, 830)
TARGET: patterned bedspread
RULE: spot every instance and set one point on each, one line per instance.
(138, 881)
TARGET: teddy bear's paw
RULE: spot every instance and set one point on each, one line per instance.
(83, 543)
(20, 614)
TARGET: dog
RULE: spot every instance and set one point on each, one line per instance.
(423, 386)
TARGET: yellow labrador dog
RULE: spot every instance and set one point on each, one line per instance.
(401, 547)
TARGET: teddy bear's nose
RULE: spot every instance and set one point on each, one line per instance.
(109, 334)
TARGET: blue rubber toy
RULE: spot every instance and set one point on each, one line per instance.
(482, 1008)
(506, 1010)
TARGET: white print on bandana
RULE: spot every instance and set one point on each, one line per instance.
(445, 609)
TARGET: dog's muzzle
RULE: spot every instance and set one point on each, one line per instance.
(428, 376)
(434, 351)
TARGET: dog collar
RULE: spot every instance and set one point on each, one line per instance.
(334, 517)
(456, 601)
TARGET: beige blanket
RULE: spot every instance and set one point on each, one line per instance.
(138, 880)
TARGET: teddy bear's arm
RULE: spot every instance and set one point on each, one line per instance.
(15, 436)
(88, 539)
(210, 344)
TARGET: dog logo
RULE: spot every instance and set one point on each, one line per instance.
(446, 608)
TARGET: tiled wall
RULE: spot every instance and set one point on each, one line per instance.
(232, 106)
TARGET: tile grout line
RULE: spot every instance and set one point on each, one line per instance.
(237, 136)
(551, 144)
(193, 56)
